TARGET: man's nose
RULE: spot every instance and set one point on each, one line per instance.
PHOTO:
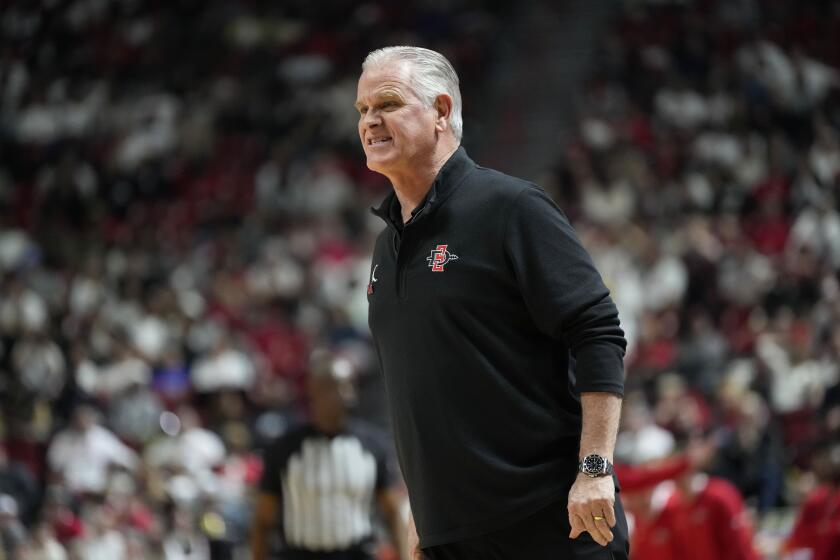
(371, 119)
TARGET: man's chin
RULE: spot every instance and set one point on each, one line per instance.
(379, 165)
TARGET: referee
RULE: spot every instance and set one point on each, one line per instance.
(499, 344)
(323, 477)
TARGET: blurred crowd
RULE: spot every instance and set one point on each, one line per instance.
(183, 218)
(704, 177)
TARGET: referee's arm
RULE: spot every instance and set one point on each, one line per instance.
(265, 518)
(390, 501)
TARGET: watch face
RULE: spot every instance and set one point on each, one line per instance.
(594, 464)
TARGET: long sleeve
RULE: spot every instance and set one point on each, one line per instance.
(563, 291)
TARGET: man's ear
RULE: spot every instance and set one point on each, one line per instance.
(443, 107)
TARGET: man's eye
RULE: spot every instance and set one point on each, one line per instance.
(362, 110)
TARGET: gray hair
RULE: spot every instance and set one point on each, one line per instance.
(431, 75)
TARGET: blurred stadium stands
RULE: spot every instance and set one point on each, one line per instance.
(183, 218)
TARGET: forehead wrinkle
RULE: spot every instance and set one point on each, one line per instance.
(388, 76)
(386, 91)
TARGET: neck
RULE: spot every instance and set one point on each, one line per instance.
(329, 423)
(411, 187)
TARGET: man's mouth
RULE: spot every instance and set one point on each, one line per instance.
(377, 141)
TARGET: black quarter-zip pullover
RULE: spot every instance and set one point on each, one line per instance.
(489, 319)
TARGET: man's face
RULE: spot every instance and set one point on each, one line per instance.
(83, 419)
(396, 128)
(329, 397)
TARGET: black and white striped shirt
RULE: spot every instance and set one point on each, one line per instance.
(327, 484)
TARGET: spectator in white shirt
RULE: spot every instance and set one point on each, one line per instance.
(223, 368)
(82, 454)
(43, 545)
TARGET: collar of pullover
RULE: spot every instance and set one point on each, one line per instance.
(456, 168)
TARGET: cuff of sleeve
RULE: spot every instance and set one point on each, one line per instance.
(599, 368)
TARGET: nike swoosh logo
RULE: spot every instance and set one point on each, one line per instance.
(373, 274)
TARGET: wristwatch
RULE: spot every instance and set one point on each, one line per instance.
(595, 466)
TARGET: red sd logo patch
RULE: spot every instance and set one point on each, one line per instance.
(439, 257)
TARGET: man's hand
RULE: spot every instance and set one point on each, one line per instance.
(592, 508)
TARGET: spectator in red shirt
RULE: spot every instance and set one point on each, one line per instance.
(714, 520)
(655, 530)
(696, 517)
(816, 533)
(702, 518)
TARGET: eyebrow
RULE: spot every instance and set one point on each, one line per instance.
(383, 96)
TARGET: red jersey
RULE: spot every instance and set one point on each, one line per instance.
(657, 536)
(817, 526)
(717, 524)
(711, 525)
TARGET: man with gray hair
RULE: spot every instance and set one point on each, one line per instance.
(499, 344)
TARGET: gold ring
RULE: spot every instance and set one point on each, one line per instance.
(597, 518)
